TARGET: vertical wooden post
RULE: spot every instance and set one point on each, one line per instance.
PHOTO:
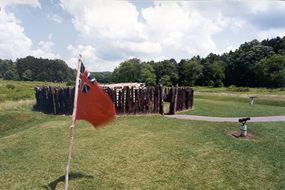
(172, 101)
(147, 100)
(120, 102)
(123, 100)
(140, 100)
(173, 104)
(175, 98)
(128, 99)
(161, 95)
(191, 98)
(136, 106)
(114, 98)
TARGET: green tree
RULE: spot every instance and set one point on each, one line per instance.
(147, 74)
(181, 72)
(278, 44)
(27, 75)
(217, 70)
(213, 71)
(271, 71)
(164, 70)
(128, 71)
(166, 80)
(6, 65)
(103, 77)
(241, 64)
(31, 68)
(193, 70)
(11, 75)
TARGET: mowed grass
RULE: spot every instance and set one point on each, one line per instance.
(138, 152)
(19, 90)
(236, 106)
(240, 90)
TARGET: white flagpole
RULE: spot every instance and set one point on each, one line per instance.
(72, 127)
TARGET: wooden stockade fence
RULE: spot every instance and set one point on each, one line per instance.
(147, 100)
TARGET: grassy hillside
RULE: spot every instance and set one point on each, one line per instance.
(150, 152)
(137, 152)
(20, 90)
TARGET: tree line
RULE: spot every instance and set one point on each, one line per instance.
(253, 64)
(36, 69)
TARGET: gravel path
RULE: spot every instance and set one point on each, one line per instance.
(227, 119)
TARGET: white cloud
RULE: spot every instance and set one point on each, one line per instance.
(179, 29)
(13, 41)
(271, 33)
(89, 57)
(117, 30)
(55, 18)
(45, 50)
(263, 5)
(167, 29)
(110, 19)
(15, 44)
(34, 3)
(146, 47)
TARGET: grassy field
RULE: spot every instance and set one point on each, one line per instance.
(241, 90)
(19, 90)
(138, 152)
(236, 106)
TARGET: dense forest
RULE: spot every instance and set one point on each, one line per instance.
(253, 64)
(36, 69)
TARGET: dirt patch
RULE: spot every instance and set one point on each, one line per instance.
(236, 135)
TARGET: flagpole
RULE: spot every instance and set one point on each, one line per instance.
(72, 127)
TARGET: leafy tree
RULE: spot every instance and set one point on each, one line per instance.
(213, 71)
(278, 44)
(241, 64)
(181, 72)
(166, 80)
(192, 70)
(147, 74)
(11, 75)
(31, 68)
(27, 75)
(103, 77)
(271, 71)
(128, 71)
(164, 70)
(6, 65)
(217, 70)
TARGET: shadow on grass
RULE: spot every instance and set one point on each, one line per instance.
(72, 176)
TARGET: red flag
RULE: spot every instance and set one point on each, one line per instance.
(93, 104)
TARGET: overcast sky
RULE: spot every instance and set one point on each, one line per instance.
(109, 32)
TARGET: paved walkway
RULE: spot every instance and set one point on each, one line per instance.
(227, 119)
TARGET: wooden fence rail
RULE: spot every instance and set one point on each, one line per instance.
(149, 100)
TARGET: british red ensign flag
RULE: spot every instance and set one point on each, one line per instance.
(93, 104)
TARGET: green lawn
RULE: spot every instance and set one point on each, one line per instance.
(140, 152)
(235, 106)
(146, 152)
(240, 90)
(19, 90)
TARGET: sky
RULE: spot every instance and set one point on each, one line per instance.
(107, 32)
